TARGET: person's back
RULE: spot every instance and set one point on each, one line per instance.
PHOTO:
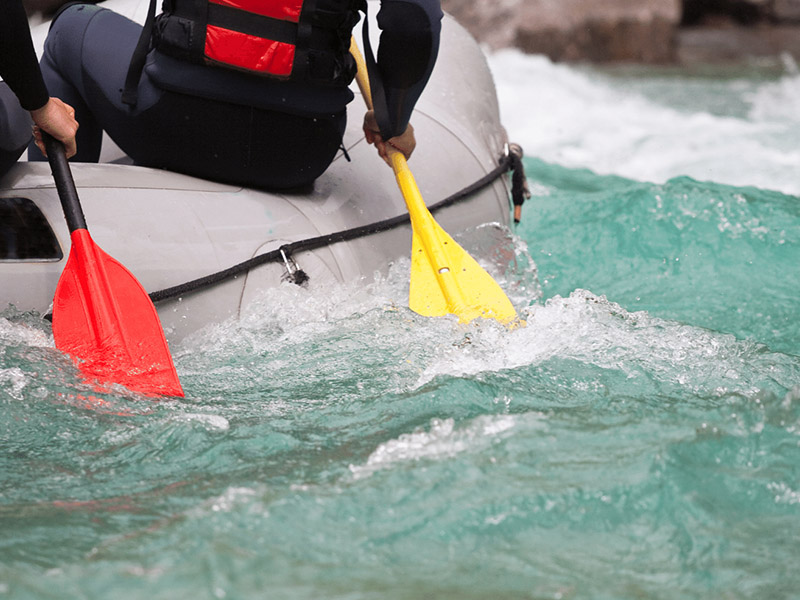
(231, 92)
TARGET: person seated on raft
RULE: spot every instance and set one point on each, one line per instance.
(236, 108)
(23, 94)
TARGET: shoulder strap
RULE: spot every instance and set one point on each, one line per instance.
(130, 93)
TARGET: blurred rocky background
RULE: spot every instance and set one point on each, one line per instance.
(616, 31)
(640, 31)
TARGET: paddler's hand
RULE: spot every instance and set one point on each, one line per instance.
(58, 119)
(403, 143)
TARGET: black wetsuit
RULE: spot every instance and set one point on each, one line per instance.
(23, 89)
(218, 123)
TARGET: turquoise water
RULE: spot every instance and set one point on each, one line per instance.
(640, 438)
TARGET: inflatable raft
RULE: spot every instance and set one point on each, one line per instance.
(205, 250)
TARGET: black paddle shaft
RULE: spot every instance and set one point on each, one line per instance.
(65, 184)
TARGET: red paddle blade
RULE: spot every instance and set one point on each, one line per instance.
(104, 319)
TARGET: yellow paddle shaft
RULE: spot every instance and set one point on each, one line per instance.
(414, 201)
(436, 277)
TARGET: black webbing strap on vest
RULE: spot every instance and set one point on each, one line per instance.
(130, 93)
(304, 31)
(248, 23)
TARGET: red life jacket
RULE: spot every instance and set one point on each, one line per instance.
(299, 40)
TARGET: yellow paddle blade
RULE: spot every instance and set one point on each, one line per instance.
(425, 296)
(444, 278)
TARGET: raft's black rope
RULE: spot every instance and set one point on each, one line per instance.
(509, 162)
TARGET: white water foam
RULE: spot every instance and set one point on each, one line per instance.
(18, 333)
(210, 422)
(443, 440)
(573, 118)
(591, 329)
(13, 382)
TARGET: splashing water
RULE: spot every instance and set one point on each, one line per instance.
(639, 438)
(737, 128)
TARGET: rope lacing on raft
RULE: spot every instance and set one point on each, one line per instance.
(510, 161)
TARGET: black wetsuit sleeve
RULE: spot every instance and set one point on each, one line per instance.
(19, 66)
(409, 45)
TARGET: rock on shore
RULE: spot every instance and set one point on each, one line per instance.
(642, 31)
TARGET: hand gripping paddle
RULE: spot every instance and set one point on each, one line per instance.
(444, 278)
(102, 316)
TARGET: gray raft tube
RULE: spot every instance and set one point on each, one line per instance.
(168, 229)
